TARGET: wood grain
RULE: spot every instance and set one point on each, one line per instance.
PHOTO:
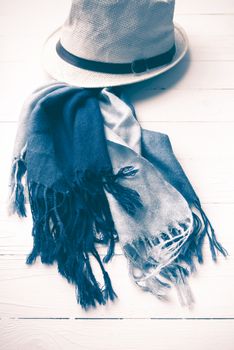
(117, 334)
(41, 292)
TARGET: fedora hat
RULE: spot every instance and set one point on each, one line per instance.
(114, 42)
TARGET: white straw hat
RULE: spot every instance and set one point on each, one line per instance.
(114, 42)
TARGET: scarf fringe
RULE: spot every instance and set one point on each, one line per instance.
(128, 198)
(66, 235)
(70, 239)
(17, 199)
(202, 228)
(156, 277)
(66, 226)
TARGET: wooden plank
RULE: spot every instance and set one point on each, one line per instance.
(159, 105)
(26, 49)
(197, 106)
(206, 163)
(202, 48)
(183, 135)
(184, 138)
(32, 17)
(201, 7)
(208, 44)
(42, 292)
(20, 80)
(191, 75)
(197, 139)
(208, 24)
(213, 280)
(207, 47)
(117, 334)
(16, 240)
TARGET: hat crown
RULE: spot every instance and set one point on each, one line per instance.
(118, 31)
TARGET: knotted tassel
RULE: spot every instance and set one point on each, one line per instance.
(157, 262)
(66, 227)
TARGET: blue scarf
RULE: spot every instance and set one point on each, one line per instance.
(93, 176)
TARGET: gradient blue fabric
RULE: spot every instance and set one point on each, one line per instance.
(93, 175)
(169, 231)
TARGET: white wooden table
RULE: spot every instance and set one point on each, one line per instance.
(194, 104)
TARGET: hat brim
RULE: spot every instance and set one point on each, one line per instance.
(62, 71)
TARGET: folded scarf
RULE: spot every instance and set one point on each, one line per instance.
(92, 175)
